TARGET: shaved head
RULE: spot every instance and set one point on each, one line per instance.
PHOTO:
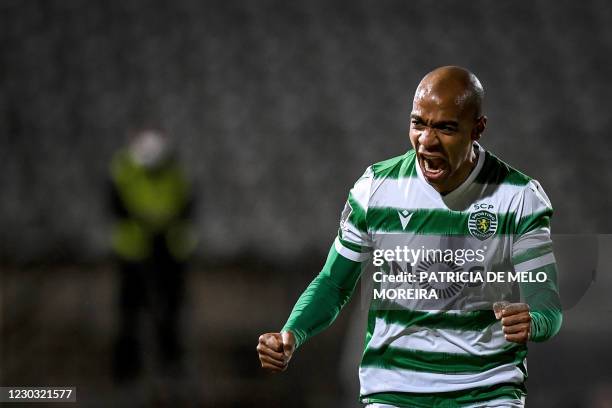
(453, 84)
(445, 122)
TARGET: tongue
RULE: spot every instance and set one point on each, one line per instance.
(435, 164)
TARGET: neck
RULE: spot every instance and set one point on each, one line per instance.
(464, 171)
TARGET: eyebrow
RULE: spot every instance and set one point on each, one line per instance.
(436, 124)
(446, 123)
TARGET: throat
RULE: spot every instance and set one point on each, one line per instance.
(463, 173)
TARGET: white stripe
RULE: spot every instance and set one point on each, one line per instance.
(530, 240)
(361, 189)
(535, 263)
(410, 193)
(416, 193)
(538, 191)
(375, 379)
(500, 403)
(349, 253)
(457, 193)
(479, 343)
(354, 235)
(534, 200)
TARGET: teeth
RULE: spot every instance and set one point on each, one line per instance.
(428, 167)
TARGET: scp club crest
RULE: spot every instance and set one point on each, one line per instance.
(482, 224)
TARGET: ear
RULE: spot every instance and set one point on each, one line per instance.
(479, 127)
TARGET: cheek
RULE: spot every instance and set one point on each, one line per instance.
(452, 151)
(457, 149)
(414, 137)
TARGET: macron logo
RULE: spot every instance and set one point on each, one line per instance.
(404, 216)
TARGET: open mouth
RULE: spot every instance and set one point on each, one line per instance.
(434, 168)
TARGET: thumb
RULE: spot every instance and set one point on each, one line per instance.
(498, 308)
(288, 343)
(274, 341)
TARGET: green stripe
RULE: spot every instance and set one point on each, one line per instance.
(432, 221)
(495, 171)
(477, 320)
(439, 221)
(357, 216)
(449, 399)
(532, 253)
(542, 296)
(370, 328)
(539, 219)
(396, 167)
(442, 363)
(323, 299)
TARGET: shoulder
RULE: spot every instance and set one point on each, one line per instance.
(395, 167)
(121, 163)
(534, 208)
(496, 171)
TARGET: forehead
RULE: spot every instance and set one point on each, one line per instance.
(432, 107)
(441, 98)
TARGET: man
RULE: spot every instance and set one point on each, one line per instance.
(464, 349)
(152, 241)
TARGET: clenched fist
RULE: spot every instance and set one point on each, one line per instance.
(275, 350)
(515, 320)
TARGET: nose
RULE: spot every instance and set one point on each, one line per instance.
(428, 137)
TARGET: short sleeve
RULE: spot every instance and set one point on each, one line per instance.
(532, 247)
(353, 240)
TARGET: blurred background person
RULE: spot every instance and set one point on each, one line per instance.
(152, 239)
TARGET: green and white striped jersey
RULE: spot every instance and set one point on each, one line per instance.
(450, 350)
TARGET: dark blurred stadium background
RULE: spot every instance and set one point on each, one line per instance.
(276, 108)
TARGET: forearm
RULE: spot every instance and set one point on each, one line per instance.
(545, 305)
(315, 310)
(321, 302)
(545, 324)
